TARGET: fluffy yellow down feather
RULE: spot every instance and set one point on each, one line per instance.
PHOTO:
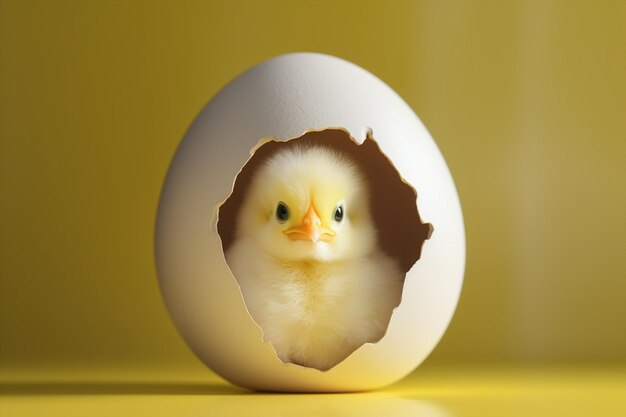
(306, 258)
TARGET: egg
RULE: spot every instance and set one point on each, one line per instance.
(307, 96)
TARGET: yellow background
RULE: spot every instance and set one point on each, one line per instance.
(526, 99)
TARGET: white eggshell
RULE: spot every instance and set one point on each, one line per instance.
(282, 98)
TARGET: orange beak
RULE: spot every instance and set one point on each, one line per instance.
(310, 228)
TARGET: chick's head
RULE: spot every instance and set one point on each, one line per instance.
(308, 203)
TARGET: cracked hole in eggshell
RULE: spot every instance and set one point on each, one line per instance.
(317, 311)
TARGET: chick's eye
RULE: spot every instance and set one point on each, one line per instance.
(338, 215)
(282, 212)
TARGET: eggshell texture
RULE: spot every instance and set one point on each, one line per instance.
(282, 98)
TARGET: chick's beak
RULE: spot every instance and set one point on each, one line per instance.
(310, 228)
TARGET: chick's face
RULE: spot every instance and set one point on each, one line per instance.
(309, 205)
(329, 225)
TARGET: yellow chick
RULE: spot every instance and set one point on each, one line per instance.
(306, 258)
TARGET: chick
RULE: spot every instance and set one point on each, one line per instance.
(306, 258)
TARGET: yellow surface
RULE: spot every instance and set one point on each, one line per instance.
(429, 393)
(527, 100)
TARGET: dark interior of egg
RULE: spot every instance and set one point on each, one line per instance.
(319, 233)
